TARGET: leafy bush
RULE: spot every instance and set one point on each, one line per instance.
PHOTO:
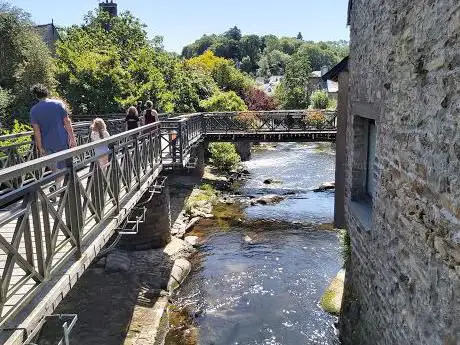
(319, 99)
(16, 128)
(344, 239)
(224, 156)
(315, 118)
(247, 119)
(332, 104)
(257, 99)
(224, 101)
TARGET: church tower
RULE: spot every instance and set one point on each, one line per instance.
(109, 7)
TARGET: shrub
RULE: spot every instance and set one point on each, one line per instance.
(247, 119)
(315, 118)
(257, 99)
(344, 239)
(224, 101)
(224, 156)
(319, 99)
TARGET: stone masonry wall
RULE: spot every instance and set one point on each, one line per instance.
(402, 284)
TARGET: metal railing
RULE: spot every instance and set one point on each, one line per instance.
(20, 147)
(43, 226)
(269, 121)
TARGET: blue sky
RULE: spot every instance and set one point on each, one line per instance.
(182, 21)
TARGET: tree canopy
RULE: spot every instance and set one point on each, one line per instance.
(24, 61)
(266, 55)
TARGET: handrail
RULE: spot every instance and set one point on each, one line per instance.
(47, 227)
(48, 160)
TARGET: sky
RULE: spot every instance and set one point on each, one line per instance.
(181, 22)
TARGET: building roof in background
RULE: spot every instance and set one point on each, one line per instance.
(315, 74)
(333, 74)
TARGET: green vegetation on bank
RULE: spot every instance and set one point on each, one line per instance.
(224, 156)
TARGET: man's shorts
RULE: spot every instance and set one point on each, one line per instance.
(61, 164)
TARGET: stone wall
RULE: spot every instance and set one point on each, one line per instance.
(402, 285)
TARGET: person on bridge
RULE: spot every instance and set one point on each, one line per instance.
(52, 127)
(132, 118)
(150, 114)
(99, 132)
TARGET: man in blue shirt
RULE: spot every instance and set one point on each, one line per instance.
(51, 124)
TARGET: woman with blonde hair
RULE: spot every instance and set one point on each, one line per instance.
(99, 132)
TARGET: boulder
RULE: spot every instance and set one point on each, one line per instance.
(268, 181)
(267, 200)
(192, 240)
(178, 248)
(325, 186)
(179, 272)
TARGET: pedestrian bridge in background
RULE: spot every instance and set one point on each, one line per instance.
(49, 237)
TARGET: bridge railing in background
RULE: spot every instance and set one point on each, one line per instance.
(179, 135)
(44, 227)
(20, 147)
(269, 121)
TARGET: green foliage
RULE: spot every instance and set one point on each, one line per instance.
(332, 104)
(224, 101)
(254, 54)
(292, 91)
(24, 60)
(273, 63)
(319, 99)
(224, 156)
(16, 127)
(345, 242)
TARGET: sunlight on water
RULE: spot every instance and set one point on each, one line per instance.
(263, 287)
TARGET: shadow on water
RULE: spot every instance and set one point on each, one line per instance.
(260, 280)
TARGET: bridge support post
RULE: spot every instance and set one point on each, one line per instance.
(200, 159)
(244, 149)
(155, 231)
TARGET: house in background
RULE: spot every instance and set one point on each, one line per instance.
(318, 82)
(49, 34)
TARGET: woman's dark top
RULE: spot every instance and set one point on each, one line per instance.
(132, 121)
(150, 116)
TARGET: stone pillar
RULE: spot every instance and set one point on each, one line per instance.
(155, 231)
(341, 151)
(199, 154)
(244, 149)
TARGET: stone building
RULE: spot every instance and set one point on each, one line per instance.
(49, 34)
(402, 186)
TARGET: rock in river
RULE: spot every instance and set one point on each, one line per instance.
(325, 186)
(267, 200)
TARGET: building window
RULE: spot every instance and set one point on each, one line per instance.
(364, 160)
(370, 164)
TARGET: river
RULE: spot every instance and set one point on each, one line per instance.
(262, 285)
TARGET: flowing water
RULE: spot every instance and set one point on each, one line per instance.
(262, 285)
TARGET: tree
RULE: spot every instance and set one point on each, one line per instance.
(272, 63)
(319, 56)
(292, 93)
(24, 60)
(319, 99)
(299, 36)
(224, 156)
(233, 34)
(224, 101)
(257, 99)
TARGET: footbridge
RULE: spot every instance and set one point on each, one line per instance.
(53, 224)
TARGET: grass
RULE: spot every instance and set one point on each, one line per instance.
(344, 239)
(205, 193)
